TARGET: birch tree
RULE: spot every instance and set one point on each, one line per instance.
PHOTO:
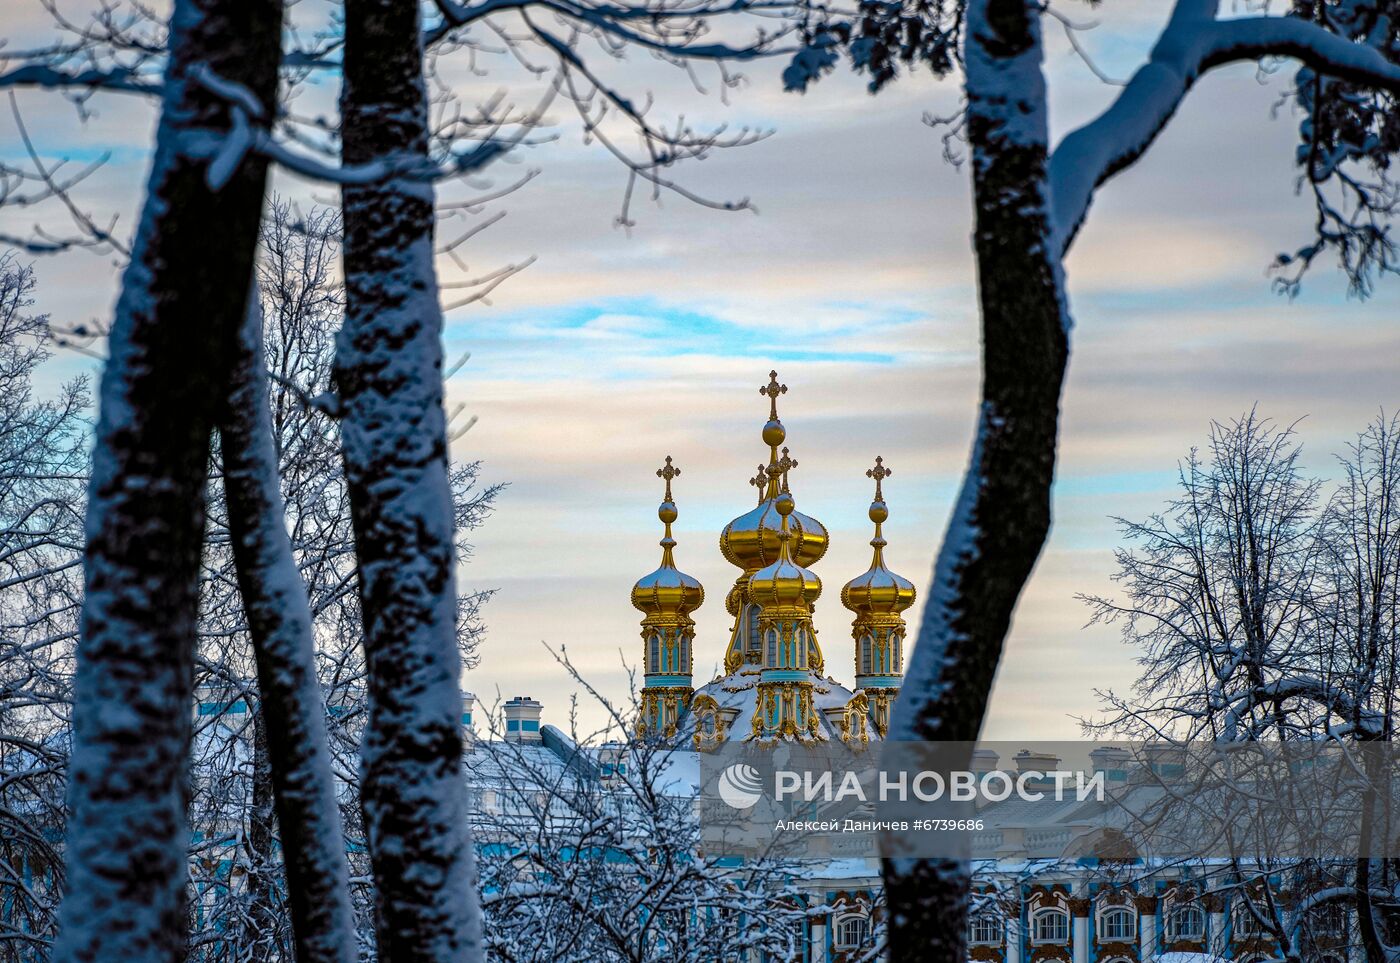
(1030, 201)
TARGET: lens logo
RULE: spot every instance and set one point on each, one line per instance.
(740, 786)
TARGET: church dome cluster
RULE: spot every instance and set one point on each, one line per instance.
(774, 684)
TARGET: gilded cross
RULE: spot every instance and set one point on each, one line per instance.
(785, 465)
(668, 471)
(772, 389)
(879, 473)
(760, 481)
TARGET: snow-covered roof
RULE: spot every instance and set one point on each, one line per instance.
(678, 773)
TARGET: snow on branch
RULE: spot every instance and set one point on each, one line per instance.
(609, 19)
(227, 152)
(379, 170)
(1365, 721)
(50, 77)
(1192, 43)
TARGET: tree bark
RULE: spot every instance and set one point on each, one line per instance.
(260, 940)
(1002, 516)
(291, 712)
(171, 342)
(388, 375)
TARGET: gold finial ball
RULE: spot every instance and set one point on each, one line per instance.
(667, 512)
(785, 505)
(774, 433)
(879, 511)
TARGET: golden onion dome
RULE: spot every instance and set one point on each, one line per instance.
(784, 583)
(667, 591)
(752, 540)
(878, 591)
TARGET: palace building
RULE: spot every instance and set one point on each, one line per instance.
(775, 684)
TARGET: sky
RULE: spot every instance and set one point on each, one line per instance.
(854, 279)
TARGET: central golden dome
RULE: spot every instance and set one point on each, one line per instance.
(784, 583)
(753, 540)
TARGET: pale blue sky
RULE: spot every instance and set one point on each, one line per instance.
(855, 281)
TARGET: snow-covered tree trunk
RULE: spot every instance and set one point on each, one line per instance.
(172, 339)
(259, 939)
(1002, 515)
(388, 376)
(290, 705)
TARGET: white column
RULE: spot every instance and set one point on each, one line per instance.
(1215, 932)
(1079, 930)
(818, 954)
(1147, 928)
(1013, 936)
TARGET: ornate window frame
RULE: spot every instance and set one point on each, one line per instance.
(990, 927)
(1046, 913)
(860, 921)
(1172, 923)
(1116, 910)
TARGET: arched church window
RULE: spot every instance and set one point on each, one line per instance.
(772, 647)
(685, 655)
(866, 655)
(897, 648)
(656, 653)
(754, 636)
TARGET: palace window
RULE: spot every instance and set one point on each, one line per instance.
(984, 929)
(1246, 924)
(1186, 922)
(866, 655)
(1050, 925)
(685, 654)
(656, 653)
(1117, 923)
(1329, 919)
(772, 647)
(851, 932)
(897, 647)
